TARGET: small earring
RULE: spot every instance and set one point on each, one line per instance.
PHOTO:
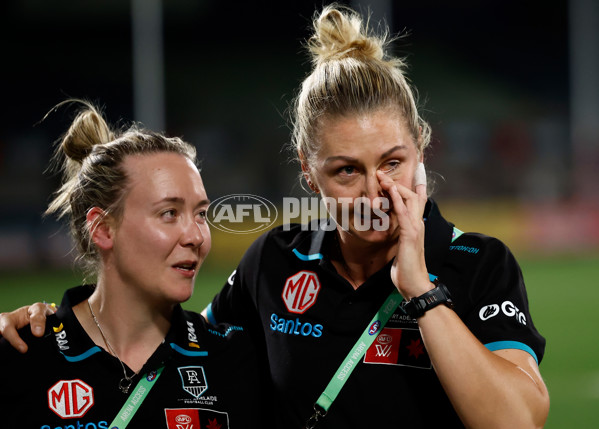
(312, 186)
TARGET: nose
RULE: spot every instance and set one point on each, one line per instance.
(192, 234)
(373, 190)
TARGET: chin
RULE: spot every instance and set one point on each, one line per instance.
(375, 237)
(181, 294)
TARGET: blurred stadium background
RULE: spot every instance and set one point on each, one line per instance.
(510, 88)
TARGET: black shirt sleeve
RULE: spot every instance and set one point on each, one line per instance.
(237, 301)
(499, 314)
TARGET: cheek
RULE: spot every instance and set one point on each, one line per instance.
(405, 179)
(207, 244)
(161, 238)
(151, 238)
(334, 189)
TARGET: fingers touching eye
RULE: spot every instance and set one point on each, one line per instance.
(390, 167)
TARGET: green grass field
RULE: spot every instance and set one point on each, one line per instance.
(563, 293)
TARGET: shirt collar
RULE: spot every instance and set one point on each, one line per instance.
(313, 244)
(80, 343)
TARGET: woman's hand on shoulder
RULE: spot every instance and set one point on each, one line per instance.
(34, 315)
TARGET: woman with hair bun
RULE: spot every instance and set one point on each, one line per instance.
(388, 316)
(461, 349)
(123, 351)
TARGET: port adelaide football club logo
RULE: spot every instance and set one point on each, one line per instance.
(194, 380)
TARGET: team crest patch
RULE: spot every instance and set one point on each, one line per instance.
(195, 418)
(403, 347)
(70, 398)
(300, 291)
(193, 380)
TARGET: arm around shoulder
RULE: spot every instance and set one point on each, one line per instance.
(34, 315)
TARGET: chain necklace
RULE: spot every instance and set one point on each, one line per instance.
(126, 381)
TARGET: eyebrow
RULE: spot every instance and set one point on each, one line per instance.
(179, 200)
(351, 159)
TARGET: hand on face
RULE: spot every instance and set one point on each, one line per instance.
(352, 150)
(409, 272)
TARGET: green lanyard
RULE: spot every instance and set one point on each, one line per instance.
(376, 325)
(135, 399)
(345, 369)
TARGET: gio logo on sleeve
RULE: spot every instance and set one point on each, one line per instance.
(507, 308)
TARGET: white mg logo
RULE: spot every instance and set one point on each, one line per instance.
(70, 398)
(300, 291)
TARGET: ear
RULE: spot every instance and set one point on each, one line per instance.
(100, 229)
(303, 162)
(308, 179)
(306, 172)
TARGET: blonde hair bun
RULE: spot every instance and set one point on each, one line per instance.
(339, 32)
(87, 130)
(353, 72)
(91, 155)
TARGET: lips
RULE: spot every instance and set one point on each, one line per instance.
(378, 220)
(186, 267)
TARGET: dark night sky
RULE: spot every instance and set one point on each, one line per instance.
(232, 70)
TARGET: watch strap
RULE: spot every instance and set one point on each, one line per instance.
(416, 307)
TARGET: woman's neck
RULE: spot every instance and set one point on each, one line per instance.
(357, 260)
(123, 325)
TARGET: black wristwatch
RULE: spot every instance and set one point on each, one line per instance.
(416, 307)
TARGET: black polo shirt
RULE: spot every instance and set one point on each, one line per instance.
(65, 381)
(308, 317)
